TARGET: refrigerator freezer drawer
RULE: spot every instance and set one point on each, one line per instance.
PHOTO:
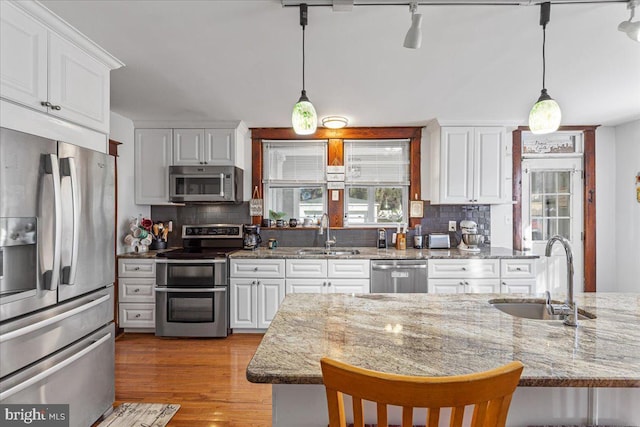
(81, 375)
(28, 339)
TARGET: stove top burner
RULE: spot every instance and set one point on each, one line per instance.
(196, 253)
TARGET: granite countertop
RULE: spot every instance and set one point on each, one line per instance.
(391, 253)
(437, 335)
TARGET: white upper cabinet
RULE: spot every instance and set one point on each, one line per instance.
(220, 146)
(214, 146)
(152, 157)
(50, 67)
(78, 85)
(188, 147)
(23, 58)
(466, 165)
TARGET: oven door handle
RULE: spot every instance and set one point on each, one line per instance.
(190, 261)
(192, 290)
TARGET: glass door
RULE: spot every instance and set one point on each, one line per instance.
(552, 204)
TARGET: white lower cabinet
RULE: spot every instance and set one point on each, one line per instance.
(518, 276)
(257, 289)
(324, 276)
(254, 302)
(136, 294)
(460, 286)
(507, 275)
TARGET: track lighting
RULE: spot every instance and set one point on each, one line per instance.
(413, 39)
(304, 118)
(545, 115)
(631, 28)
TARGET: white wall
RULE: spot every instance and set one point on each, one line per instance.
(122, 130)
(606, 278)
(627, 207)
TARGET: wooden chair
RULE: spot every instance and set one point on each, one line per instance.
(490, 392)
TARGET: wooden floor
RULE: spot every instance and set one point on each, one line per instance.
(205, 376)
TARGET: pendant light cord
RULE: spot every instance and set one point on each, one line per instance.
(544, 62)
(303, 58)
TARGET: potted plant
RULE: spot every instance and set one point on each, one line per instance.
(278, 217)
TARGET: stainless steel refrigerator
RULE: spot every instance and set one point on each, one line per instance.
(56, 275)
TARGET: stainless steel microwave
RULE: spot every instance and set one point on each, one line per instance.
(205, 184)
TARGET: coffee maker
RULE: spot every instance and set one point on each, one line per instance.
(251, 237)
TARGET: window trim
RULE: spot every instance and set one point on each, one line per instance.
(335, 157)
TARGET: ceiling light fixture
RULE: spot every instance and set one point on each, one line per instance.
(545, 115)
(413, 39)
(334, 122)
(631, 28)
(304, 118)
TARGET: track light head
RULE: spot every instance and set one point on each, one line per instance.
(413, 39)
(632, 29)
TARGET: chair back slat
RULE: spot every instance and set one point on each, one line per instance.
(491, 390)
(457, 415)
(382, 414)
(358, 412)
(479, 414)
(407, 416)
(433, 417)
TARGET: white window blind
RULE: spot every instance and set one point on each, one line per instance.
(294, 161)
(377, 161)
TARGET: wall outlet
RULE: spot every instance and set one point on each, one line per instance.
(452, 226)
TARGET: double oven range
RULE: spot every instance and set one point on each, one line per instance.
(192, 290)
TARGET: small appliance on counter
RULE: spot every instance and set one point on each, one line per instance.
(470, 237)
(251, 238)
(438, 241)
(382, 238)
(417, 238)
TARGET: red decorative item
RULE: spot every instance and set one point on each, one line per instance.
(146, 223)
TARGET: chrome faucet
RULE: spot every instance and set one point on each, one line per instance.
(569, 309)
(324, 222)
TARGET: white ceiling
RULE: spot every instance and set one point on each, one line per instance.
(241, 60)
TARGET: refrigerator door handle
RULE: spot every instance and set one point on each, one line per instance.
(51, 277)
(55, 368)
(69, 169)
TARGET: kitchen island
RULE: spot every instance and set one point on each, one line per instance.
(571, 375)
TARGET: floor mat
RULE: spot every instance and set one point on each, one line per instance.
(140, 415)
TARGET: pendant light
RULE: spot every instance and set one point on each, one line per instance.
(545, 115)
(304, 118)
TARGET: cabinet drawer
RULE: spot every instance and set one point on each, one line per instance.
(518, 268)
(257, 268)
(349, 268)
(311, 268)
(131, 267)
(132, 315)
(519, 286)
(136, 290)
(464, 268)
(348, 286)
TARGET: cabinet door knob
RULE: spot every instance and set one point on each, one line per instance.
(329, 284)
(46, 104)
(206, 163)
(56, 107)
(324, 283)
(255, 268)
(137, 315)
(136, 268)
(461, 283)
(136, 290)
(464, 268)
(518, 268)
(258, 283)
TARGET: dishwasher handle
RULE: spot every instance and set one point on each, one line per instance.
(398, 266)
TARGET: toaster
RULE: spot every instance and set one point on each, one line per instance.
(438, 241)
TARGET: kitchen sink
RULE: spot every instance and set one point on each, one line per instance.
(534, 309)
(322, 251)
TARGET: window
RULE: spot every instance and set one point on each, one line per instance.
(294, 178)
(376, 181)
(550, 204)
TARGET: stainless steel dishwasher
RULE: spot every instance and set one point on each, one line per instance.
(399, 276)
